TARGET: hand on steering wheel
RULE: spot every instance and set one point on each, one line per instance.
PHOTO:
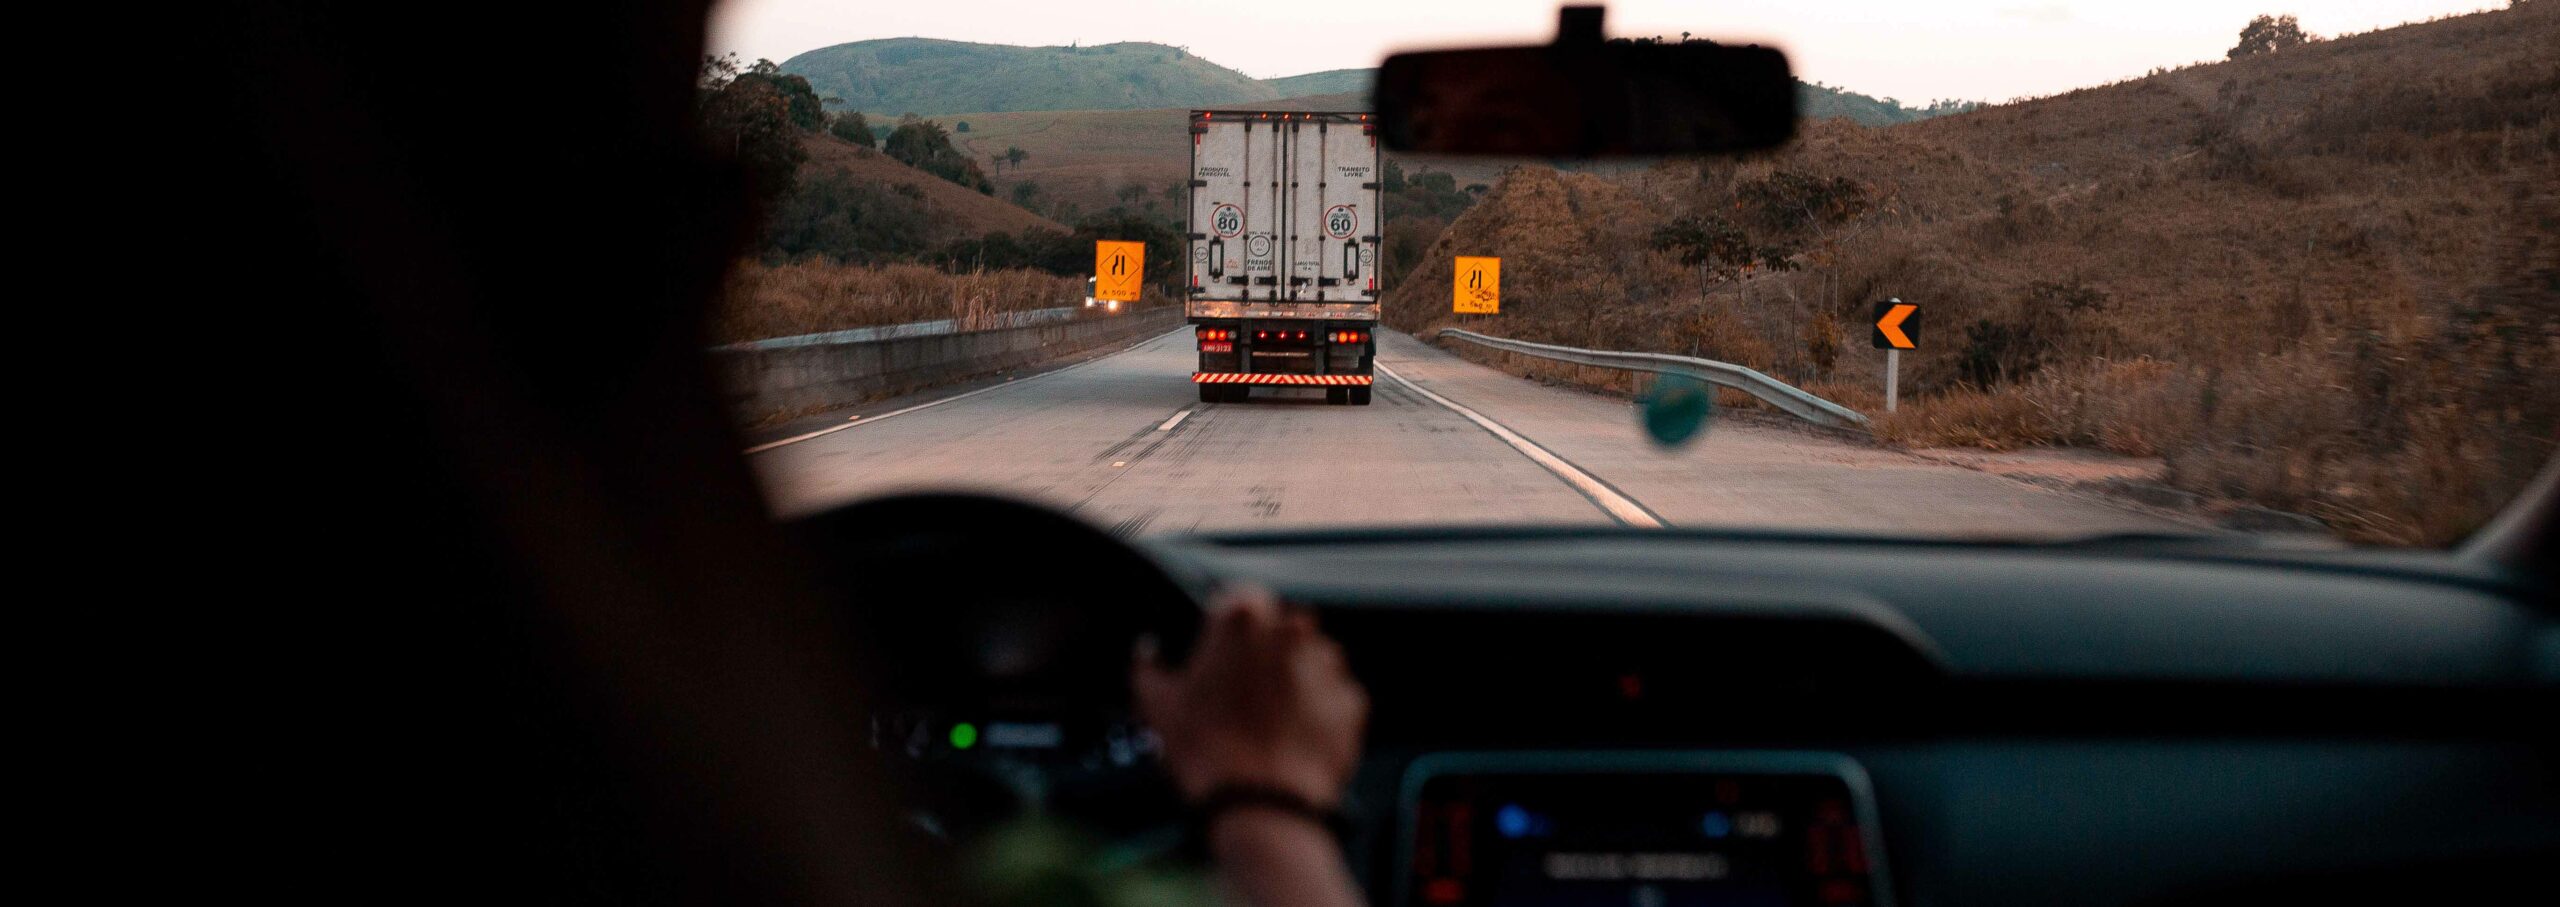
(1265, 701)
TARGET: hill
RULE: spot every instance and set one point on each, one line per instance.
(1085, 158)
(1817, 101)
(927, 76)
(943, 79)
(1331, 81)
(953, 212)
(2325, 280)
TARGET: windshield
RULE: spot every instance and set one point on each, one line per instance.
(2025, 271)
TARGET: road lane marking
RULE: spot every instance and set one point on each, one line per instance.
(1618, 506)
(795, 439)
(1176, 420)
(929, 404)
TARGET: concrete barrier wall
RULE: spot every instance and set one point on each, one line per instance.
(772, 382)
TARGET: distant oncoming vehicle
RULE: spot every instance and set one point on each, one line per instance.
(1107, 305)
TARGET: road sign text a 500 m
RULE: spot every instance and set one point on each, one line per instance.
(1282, 285)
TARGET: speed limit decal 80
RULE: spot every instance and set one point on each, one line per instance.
(1226, 220)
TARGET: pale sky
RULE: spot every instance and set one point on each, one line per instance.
(1912, 50)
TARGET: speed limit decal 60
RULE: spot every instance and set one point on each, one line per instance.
(1340, 222)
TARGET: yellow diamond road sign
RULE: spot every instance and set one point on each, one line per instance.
(1478, 290)
(1118, 269)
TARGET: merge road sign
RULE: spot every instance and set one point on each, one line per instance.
(1119, 270)
(1478, 287)
(1897, 326)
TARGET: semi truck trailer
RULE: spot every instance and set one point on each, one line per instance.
(1283, 236)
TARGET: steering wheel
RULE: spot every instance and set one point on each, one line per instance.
(1004, 616)
(999, 601)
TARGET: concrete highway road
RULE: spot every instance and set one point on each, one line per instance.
(1123, 441)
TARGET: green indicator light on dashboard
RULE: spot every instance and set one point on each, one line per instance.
(964, 735)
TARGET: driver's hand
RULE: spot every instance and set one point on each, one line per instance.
(1265, 701)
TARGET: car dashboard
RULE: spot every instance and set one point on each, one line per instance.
(1660, 718)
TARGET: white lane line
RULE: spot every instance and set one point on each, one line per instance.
(929, 404)
(1618, 506)
(795, 439)
(1176, 420)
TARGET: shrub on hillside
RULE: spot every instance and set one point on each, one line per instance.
(836, 217)
(921, 143)
(2269, 34)
(850, 126)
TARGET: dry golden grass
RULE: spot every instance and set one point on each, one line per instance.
(2325, 280)
(784, 300)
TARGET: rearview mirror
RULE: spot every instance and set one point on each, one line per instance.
(1585, 97)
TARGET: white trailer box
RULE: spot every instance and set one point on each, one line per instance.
(1285, 216)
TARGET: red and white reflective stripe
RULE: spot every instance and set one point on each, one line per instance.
(1253, 378)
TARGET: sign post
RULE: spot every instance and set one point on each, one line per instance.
(1119, 270)
(1892, 379)
(1477, 286)
(1897, 328)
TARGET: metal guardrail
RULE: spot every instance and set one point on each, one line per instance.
(1786, 397)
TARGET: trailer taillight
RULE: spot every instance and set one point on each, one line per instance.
(1347, 337)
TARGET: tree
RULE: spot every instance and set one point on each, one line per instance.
(1822, 341)
(962, 126)
(1024, 192)
(749, 121)
(851, 127)
(1014, 155)
(1808, 213)
(1789, 201)
(1718, 248)
(2269, 34)
(921, 143)
(835, 216)
(807, 113)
